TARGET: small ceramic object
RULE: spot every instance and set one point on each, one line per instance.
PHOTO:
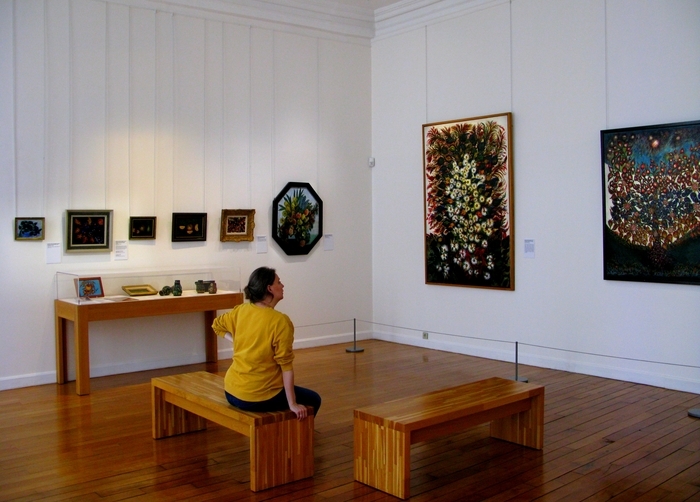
(177, 288)
(165, 291)
(212, 287)
(200, 286)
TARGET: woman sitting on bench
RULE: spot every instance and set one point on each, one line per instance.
(261, 376)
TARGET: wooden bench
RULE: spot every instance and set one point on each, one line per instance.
(384, 433)
(281, 447)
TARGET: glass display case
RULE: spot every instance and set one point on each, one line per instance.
(91, 286)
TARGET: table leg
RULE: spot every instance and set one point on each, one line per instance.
(210, 343)
(82, 356)
(61, 366)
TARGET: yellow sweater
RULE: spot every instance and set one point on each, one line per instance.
(262, 350)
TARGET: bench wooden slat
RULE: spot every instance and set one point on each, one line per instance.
(383, 433)
(417, 412)
(281, 447)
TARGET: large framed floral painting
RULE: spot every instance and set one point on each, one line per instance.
(297, 218)
(651, 203)
(468, 181)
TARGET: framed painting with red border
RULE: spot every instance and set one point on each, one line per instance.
(89, 287)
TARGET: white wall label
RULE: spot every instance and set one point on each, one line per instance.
(261, 244)
(529, 248)
(53, 252)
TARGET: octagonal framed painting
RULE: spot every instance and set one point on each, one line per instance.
(297, 218)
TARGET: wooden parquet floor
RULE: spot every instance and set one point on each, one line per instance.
(604, 439)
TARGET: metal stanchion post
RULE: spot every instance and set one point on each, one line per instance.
(518, 378)
(354, 338)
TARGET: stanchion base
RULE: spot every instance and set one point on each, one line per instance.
(521, 379)
(354, 349)
(695, 413)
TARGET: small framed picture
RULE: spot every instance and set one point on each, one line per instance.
(89, 287)
(142, 227)
(29, 229)
(140, 290)
(189, 227)
(237, 224)
(88, 230)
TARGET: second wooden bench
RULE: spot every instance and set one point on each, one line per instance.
(384, 433)
(281, 447)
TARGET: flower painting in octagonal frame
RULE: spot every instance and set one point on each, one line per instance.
(468, 182)
(297, 218)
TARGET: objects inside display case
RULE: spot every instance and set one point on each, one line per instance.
(139, 290)
(144, 285)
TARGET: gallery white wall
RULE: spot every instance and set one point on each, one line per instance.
(566, 70)
(153, 108)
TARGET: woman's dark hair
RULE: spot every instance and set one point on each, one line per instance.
(259, 280)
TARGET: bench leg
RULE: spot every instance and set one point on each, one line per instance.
(525, 428)
(281, 452)
(382, 458)
(169, 419)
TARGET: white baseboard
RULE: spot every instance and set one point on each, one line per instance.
(655, 374)
(49, 377)
(658, 375)
(28, 380)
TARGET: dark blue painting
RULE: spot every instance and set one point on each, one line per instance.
(651, 203)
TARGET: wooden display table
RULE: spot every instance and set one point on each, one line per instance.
(102, 310)
(384, 433)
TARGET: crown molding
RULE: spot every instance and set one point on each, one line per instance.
(327, 16)
(411, 14)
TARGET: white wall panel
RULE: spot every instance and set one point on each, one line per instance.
(117, 126)
(7, 112)
(236, 183)
(296, 109)
(214, 123)
(30, 119)
(558, 75)
(468, 60)
(88, 104)
(142, 111)
(58, 111)
(188, 78)
(398, 110)
(345, 77)
(653, 48)
(261, 125)
(164, 126)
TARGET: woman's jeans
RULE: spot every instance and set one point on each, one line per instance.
(279, 402)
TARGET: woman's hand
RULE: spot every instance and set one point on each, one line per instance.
(300, 410)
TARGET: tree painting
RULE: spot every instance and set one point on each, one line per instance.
(468, 213)
(651, 178)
